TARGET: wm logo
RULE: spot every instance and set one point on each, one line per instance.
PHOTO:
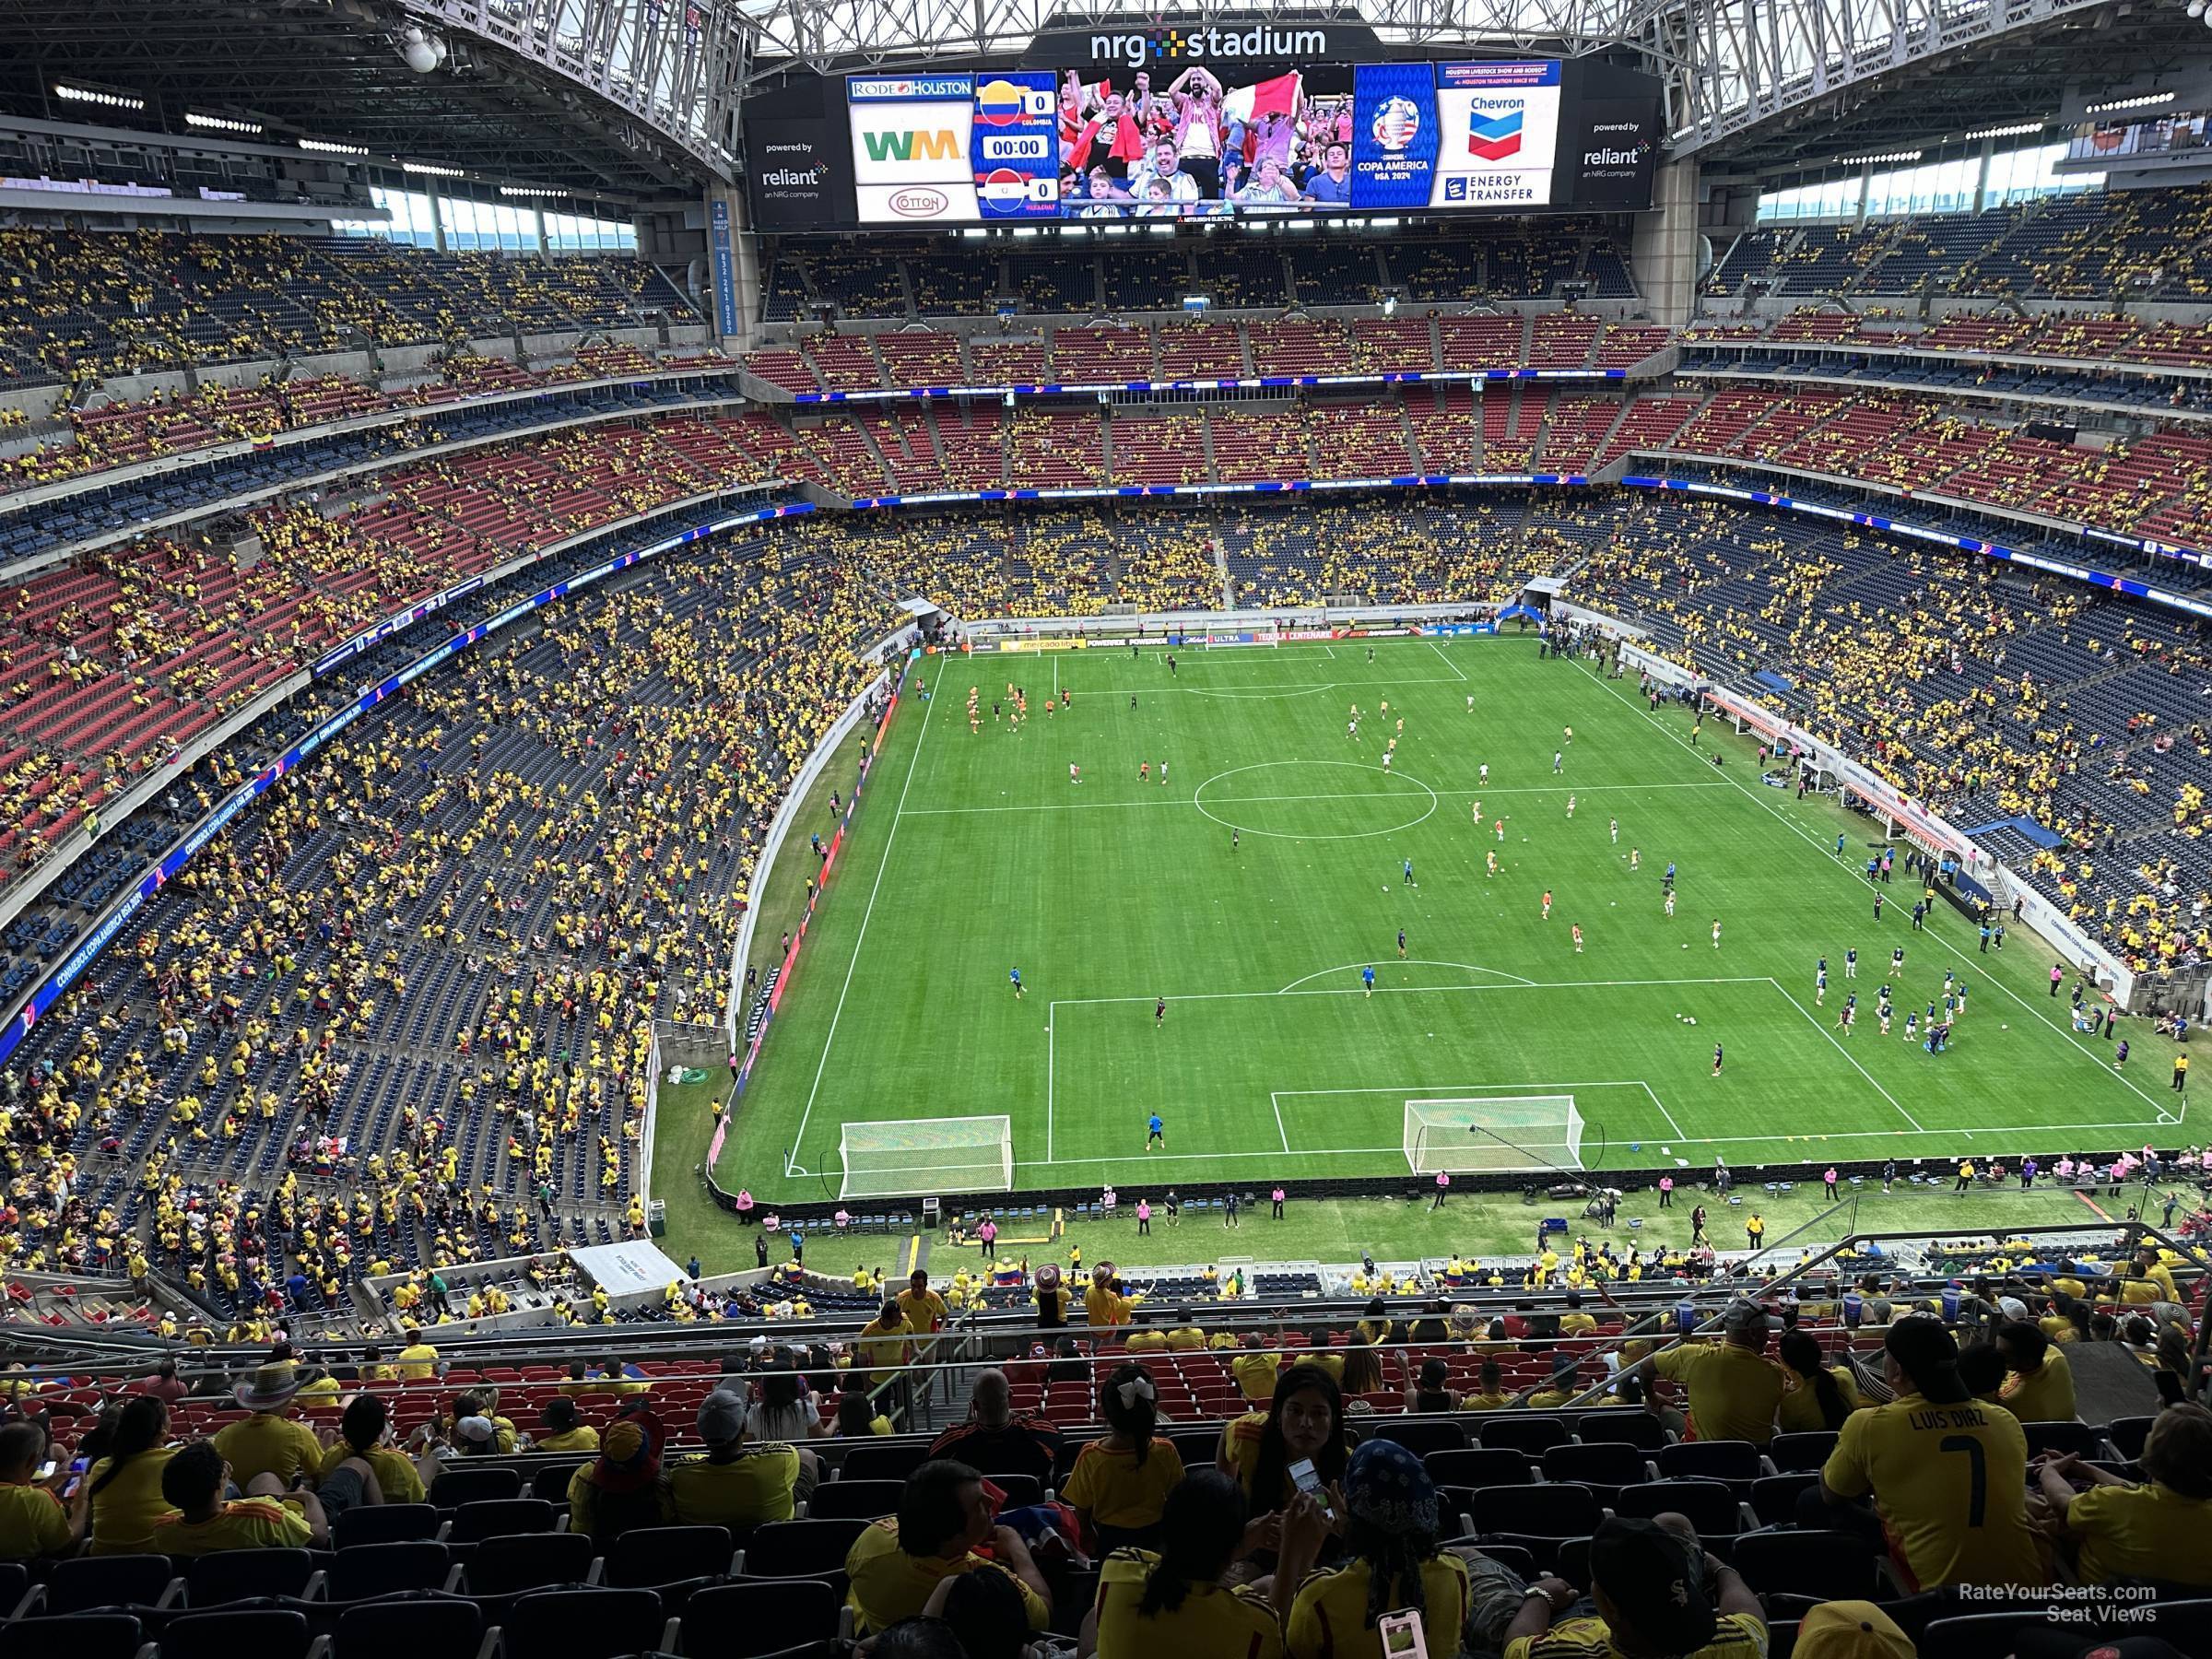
(942, 145)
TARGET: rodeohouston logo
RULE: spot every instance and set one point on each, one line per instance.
(1199, 45)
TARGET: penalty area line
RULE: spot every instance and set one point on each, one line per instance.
(1710, 1140)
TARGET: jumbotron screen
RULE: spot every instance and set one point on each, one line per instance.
(1214, 139)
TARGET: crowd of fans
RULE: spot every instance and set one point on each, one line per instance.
(400, 1017)
(128, 431)
(81, 306)
(1854, 1461)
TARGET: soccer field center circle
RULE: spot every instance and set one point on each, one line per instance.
(1398, 794)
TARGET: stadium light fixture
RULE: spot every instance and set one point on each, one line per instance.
(68, 92)
(2018, 129)
(1877, 161)
(221, 124)
(2146, 100)
(2196, 9)
(530, 190)
(325, 147)
(432, 169)
(420, 49)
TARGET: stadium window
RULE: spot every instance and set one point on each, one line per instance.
(483, 225)
(2018, 175)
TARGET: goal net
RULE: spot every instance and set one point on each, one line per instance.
(912, 1158)
(1473, 1136)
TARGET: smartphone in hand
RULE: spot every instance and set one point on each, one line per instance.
(1401, 1635)
(1307, 1479)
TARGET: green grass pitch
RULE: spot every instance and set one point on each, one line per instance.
(975, 853)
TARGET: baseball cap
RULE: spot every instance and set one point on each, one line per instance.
(1745, 1319)
(476, 1429)
(1850, 1630)
(1656, 1581)
(759, 1344)
(720, 1417)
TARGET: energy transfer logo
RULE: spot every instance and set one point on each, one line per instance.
(1493, 138)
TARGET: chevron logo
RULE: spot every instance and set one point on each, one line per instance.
(1493, 138)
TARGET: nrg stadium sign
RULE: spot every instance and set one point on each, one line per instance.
(1210, 44)
(1237, 37)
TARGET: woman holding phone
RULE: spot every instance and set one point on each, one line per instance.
(1304, 1424)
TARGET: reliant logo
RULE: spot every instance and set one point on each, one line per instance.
(788, 178)
(1200, 45)
(1613, 158)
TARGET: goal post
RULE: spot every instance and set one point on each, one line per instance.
(914, 1158)
(1481, 1134)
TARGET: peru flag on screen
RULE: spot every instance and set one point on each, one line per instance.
(1279, 96)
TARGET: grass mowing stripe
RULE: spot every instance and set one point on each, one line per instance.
(1104, 909)
(798, 1136)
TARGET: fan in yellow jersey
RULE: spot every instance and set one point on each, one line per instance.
(205, 1525)
(2161, 1531)
(1121, 1480)
(1948, 1474)
(943, 1513)
(1734, 1387)
(1174, 1601)
(32, 1521)
(1391, 1562)
(2038, 1384)
(1649, 1579)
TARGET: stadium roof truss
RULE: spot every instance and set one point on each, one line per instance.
(1732, 64)
(636, 96)
(675, 64)
(823, 34)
